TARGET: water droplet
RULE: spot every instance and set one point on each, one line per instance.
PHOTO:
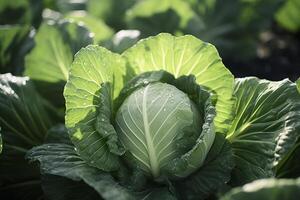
(102, 119)
(145, 82)
(164, 109)
(75, 148)
(92, 162)
(91, 35)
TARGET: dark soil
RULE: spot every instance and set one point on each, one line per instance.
(278, 57)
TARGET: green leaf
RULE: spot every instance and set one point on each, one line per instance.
(158, 193)
(289, 166)
(196, 156)
(288, 15)
(62, 160)
(18, 178)
(100, 30)
(22, 110)
(11, 37)
(184, 56)
(96, 77)
(64, 170)
(216, 22)
(58, 134)
(214, 173)
(52, 55)
(148, 8)
(232, 26)
(61, 188)
(122, 40)
(1, 143)
(169, 16)
(267, 189)
(111, 11)
(265, 126)
(49, 61)
(24, 122)
(65, 6)
(21, 12)
(298, 84)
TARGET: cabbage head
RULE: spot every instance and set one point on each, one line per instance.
(151, 120)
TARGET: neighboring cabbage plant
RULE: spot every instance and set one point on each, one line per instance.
(166, 120)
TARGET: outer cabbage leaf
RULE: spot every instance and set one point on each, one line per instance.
(65, 6)
(49, 61)
(111, 11)
(187, 55)
(289, 166)
(58, 134)
(157, 193)
(22, 110)
(21, 12)
(1, 143)
(267, 189)
(96, 77)
(100, 30)
(62, 160)
(12, 37)
(265, 126)
(298, 84)
(171, 138)
(216, 23)
(122, 40)
(194, 158)
(169, 16)
(61, 188)
(214, 173)
(232, 26)
(62, 40)
(24, 121)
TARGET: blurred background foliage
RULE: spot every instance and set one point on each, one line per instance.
(254, 37)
